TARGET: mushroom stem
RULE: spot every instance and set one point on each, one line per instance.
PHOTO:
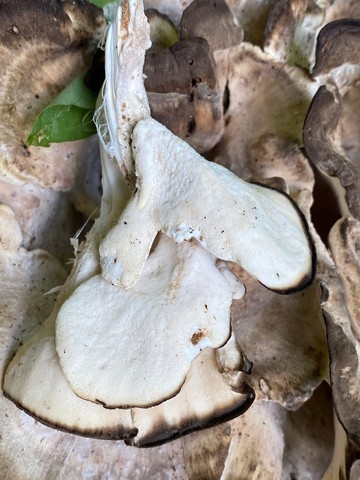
(124, 96)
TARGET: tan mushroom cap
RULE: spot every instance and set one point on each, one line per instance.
(342, 322)
(308, 33)
(185, 82)
(25, 278)
(322, 143)
(344, 379)
(337, 44)
(36, 207)
(252, 17)
(338, 302)
(289, 364)
(337, 58)
(266, 97)
(184, 94)
(44, 45)
(180, 68)
(266, 442)
(291, 28)
(344, 240)
(213, 21)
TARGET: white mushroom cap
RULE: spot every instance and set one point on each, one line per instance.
(185, 196)
(35, 382)
(113, 343)
(205, 398)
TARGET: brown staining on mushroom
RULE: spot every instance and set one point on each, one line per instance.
(125, 16)
(198, 335)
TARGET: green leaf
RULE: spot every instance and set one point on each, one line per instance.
(76, 93)
(101, 3)
(62, 123)
(69, 117)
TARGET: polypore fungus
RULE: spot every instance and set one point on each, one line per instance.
(146, 322)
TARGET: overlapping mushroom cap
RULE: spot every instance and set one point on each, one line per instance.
(261, 145)
(96, 349)
(181, 193)
(179, 306)
(179, 276)
(185, 82)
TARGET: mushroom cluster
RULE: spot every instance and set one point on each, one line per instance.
(214, 289)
